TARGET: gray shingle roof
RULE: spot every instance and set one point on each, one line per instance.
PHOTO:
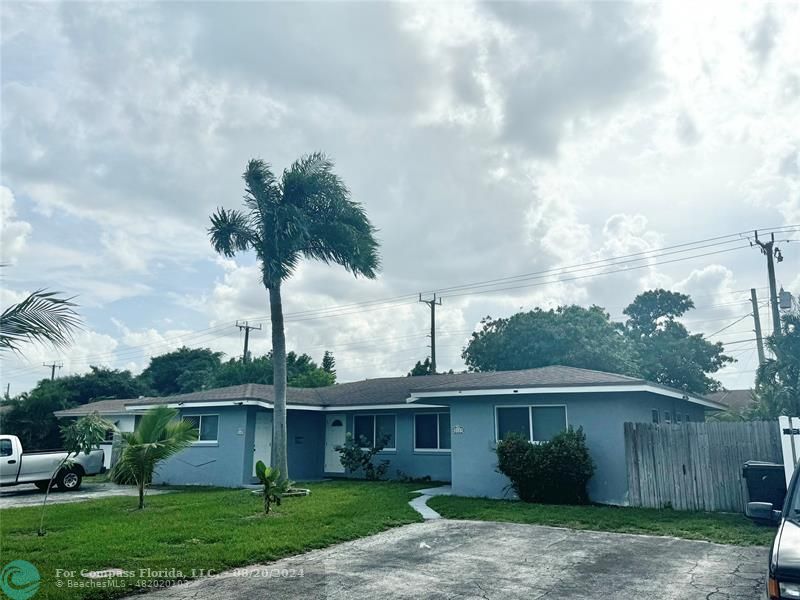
(737, 399)
(109, 407)
(386, 390)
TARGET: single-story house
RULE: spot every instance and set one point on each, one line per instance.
(441, 426)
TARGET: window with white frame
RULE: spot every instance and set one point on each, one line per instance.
(207, 426)
(432, 431)
(667, 417)
(369, 428)
(534, 423)
(654, 415)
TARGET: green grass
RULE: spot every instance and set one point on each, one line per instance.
(723, 528)
(211, 529)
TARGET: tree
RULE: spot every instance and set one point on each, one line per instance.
(83, 435)
(569, 335)
(31, 414)
(181, 371)
(41, 317)
(301, 371)
(421, 368)
(666, 352)
(777, 389)
(329, 363)
(157, 437)
(307, 214)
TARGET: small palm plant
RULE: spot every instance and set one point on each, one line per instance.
(158, 436)
(274, 485)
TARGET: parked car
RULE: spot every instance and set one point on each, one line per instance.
(18, 467)
(783, 574)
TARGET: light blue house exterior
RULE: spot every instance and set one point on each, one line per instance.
(441, 427)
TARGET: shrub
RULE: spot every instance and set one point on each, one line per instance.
(554, 472)
(357, 456)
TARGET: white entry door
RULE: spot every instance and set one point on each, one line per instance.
(262, 445)
(334, 436)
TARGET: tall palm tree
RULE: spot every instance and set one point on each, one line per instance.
(157, 437)
(41, 317)
(308, 213)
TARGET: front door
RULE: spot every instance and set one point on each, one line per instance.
(334, 436)
(262, 445)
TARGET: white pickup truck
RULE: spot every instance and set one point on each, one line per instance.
(18, 467)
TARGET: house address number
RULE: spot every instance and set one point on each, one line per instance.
(458, 429)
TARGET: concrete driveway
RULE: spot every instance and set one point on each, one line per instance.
(28, 495)
(466, 559)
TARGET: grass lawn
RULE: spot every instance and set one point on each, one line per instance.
(210, 529)
(715, 527)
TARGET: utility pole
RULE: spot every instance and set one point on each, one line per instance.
(768, 249)
(757, 322)
(53, 366)
(247, 327)
(433, 303)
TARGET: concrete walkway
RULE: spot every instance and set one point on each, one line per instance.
(484, 560)
(420, 503)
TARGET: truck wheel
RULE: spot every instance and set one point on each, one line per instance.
(42, 485)
(69, 481)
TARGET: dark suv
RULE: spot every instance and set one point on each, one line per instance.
(783, 577)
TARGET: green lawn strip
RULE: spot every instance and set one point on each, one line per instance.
(722, 528)
(211, 529)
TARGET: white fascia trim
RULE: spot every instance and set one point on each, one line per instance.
(568, 390)
(144, 407)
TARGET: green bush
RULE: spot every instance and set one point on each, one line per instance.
(357, 456)
(554, 472)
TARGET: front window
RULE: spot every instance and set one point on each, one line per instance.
(370, 428)
(207, 426)
(534, 423)
(432, 431)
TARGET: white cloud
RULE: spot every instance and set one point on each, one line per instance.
(13, 233)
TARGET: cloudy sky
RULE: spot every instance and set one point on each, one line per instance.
(486, 141)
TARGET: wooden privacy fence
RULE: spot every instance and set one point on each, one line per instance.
(695, 466)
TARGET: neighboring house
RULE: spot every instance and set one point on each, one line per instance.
(737, 400)
(441, 426)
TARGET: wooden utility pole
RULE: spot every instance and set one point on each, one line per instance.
(757, 323)
(433, 303)
(53, 366)
(768, 249)
(247, 327)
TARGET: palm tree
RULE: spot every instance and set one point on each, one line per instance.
(307, 214)
(42, 317)
(157, 437)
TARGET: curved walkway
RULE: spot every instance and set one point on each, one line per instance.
(420, 503)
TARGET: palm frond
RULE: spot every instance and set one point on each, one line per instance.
(231, 231)
(43, 317)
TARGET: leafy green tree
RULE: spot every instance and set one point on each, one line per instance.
(181, 371)
(41, 317)
(665, 351)
(31, 414)
(301, 371)
(308, 213)
(421, 368)
(777, 389)
(157, 437)
(569, 335)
